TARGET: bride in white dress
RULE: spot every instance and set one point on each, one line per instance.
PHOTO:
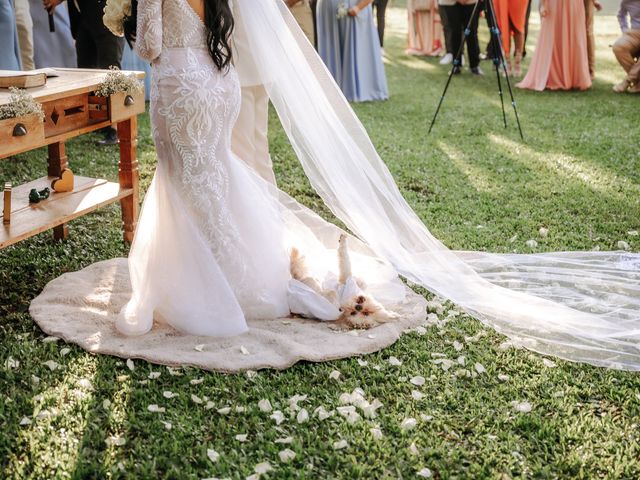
(211, 247)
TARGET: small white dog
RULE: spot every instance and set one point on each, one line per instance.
(357, 309)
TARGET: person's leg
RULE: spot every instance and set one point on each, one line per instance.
(526, 29)
(381, 10)
(473, 46)
(623, 49)
(25, 33)
(446, 28)
(633, 74)
(85, 47)
(313, 4)
(454, 12)
(591, 43)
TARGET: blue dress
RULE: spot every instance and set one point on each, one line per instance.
(350, 48)
(9, 52)
(52, 49)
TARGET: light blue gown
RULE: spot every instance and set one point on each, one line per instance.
(52, 49)
(350, 49)
(9, 50)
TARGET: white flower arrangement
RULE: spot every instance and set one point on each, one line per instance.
(342, 11)
(118, 82)
(115, 12)
(20, 104)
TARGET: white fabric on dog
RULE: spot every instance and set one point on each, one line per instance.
(80, 307)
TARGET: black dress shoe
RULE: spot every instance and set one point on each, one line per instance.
(110, 138)
(457, 70)
(477, 71)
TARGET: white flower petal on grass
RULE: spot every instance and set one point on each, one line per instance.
(199, 348)
(154, 375)
(209, 405)
(303, 416)
(503, 378)
(241, 437)
(426, 418)
(265, 405)
(278, 417)
(25, 421)
(251, 374)
(115, 441)
(548, 363)
(262, 468)
(65, 351)
(35, 379)
(458, 346)
(168, 394)
(196, 381)
(213, 455)
(130, 364)
(531, 243)
(167, 425)
(293, 401)
(362, 363)
(522, 407)
(286, 455)
(155, 408)
(106, 404)
(174, 372)
(417, 395)
(196, 399)
(334, 375)
(243, 350)
(543, 232)
(286, 440)
(622, 245)
(224, 410)
(479, 368)
(418, 380)
(394, 361)
(413, 449)
(85, 383)
(52, 365)
(376, 432)
(340, 445)
(408, 424)
(424, 473)
(321, 413)
(50, 339)
(444, 363)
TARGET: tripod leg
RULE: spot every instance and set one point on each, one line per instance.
(501, 93)
(456, 63)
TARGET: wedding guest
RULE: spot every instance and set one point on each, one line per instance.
(627, 47)
(52, 49)
(96, 46)
(589, 7)
(301, 10)
(350, 48)
(446, 31)
(380, 6)
(425, 30)
(10, 53)
(560, 61)
(510, 18)
(314, 4)
(25, 33)
(460, 14)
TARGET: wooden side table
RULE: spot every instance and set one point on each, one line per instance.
(72, 109)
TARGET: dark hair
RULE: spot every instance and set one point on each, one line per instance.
(219, 22)
(129, 24)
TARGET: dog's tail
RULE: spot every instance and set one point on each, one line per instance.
(297, 265)
(344, 262)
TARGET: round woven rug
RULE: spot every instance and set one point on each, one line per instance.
(80, 308)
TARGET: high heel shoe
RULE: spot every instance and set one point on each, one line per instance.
(517, 72)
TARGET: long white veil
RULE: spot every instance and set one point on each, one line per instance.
(578, 306)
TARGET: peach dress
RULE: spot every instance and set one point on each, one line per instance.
(425, 30)
(560, 61)
(510, 16)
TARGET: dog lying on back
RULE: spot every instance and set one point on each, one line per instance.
(357, 310)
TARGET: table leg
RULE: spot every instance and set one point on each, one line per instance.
(57, 162)
(129, 175)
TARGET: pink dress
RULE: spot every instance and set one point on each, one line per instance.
(560, 61)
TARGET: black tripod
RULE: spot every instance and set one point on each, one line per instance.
(498, 60)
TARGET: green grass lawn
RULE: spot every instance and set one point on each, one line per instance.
(477, 186)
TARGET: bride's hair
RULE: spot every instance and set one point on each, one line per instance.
(219, 22)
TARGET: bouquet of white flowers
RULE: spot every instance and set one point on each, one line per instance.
(115, 14)
(343, 10)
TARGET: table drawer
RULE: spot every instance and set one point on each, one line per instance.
(66, 114)
(123, 106)
(20, 134)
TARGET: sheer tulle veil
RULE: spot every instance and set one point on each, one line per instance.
(579, 306)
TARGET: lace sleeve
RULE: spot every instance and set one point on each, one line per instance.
(149, 29)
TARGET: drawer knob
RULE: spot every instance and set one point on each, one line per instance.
(128, 100)
(19, 130)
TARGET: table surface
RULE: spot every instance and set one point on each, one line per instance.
(71, 81)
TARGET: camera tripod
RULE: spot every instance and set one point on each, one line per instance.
(498, 61)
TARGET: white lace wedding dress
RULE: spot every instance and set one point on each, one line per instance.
(211, 247)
